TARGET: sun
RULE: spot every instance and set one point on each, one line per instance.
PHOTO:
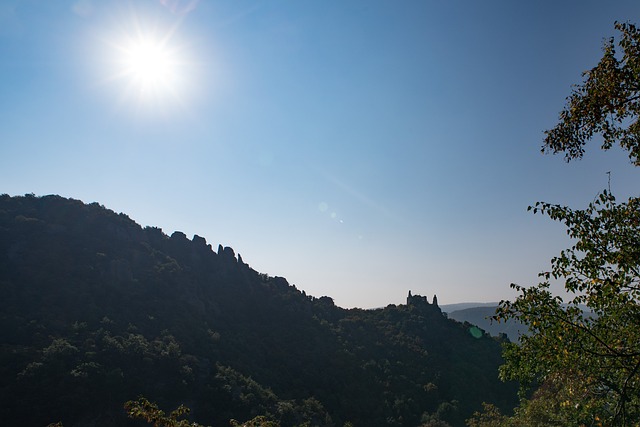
(147, 66)
(150, 66)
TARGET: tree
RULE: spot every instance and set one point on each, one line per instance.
(149, 411)
(586, 349)
(259, 421)
(490, 417)
(607, 103)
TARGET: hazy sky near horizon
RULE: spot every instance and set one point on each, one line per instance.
(361, 149)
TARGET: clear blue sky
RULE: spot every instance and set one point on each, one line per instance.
(361, 149)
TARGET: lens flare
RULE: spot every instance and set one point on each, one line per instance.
(476, 332)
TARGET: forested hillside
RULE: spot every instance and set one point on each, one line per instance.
(97, 310)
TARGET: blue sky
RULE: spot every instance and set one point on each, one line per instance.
(361, 149)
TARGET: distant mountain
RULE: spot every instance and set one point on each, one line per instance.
(449, 308)
(96, 310)
(481, 317)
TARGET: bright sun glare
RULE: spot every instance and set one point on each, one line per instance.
(149, 67)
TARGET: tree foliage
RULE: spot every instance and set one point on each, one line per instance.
(583, 352)
(607, 103)
(149, 411)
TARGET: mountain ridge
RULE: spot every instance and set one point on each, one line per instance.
(97, 310)
(481, 316)
(449, 308)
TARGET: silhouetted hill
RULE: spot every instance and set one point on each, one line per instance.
(450, 308)
(481, 317)
(96, 310)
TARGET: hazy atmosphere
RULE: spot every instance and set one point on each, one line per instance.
(359, 149)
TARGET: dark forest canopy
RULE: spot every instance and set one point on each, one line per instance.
(97, 310)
